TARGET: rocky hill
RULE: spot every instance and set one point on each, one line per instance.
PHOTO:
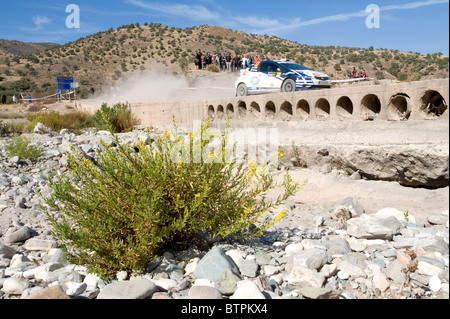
(106, 57)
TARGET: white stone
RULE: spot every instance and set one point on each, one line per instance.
(15, 286)
(428, 269)
(190, 267)
(293, 248)
(343, 275)
(247, 290)
(328, 270)
(91, 280)
(75, 288)
(203, 282)
(166, 284)
(304, 275)
(236, 255)
(270, 270)
(122, 275)
(387, 212)
(435, 283)
(380, 281)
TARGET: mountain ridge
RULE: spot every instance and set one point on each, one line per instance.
(106, 57)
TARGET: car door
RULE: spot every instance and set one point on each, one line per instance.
(270, 76)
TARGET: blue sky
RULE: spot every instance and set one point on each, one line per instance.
(406, 25)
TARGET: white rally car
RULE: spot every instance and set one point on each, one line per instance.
(275, 76)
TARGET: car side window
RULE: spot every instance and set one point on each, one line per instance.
(268, 67)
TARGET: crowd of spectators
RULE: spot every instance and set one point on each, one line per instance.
(225, 62)
(354, 74)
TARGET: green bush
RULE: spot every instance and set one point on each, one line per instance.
(74, 121)
(20, 146)
(120, 213)
(118, 117)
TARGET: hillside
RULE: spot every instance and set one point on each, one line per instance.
(106, 57)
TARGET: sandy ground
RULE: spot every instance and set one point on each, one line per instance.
(325, 190)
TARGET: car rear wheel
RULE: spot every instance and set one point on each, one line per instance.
(288, 86)
(242, 90)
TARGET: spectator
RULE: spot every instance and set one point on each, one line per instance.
(228, 61)
(29, 98)
(198, 60)
(3, 99)
(354, 72)
(14, 99)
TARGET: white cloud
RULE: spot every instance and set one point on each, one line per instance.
(39, 22)
(275, 26)
(192, 12)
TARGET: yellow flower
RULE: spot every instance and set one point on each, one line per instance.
(197, 195)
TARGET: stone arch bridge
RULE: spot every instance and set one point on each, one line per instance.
(383, 102)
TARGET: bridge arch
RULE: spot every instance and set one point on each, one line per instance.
(433, 104)
(303, 110)
(286, 111)
(220, 112)
(242, 109)
(270, 110)
(230, 110)
(255, 109)
(323, 109)
(344, 108)
(211, 112)
(399, 108)
(370, 107)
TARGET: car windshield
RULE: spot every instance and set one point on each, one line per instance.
(295, 66)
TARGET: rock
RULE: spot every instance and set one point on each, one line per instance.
(204, 292)
(389, 211)
(352, 205)
(53, 292)
(293, 248)
(249, 268)
(352, 269)
(213, 264)
(435, 283)
(42, 129)
(392, 223)
(134, 289)
(428, 268)
(343, 275)
(247, 290)
(227, 282)
(35, 244)
(338, 246)
(395, 272)
(312, 258)
(7, 251)
(190, 267)
(368, 229)
(302, 275)
(270, 270)
(22, 234)
(15, 286)
(437, 219)
(75, 288)
(380, 281)
(166, 284)
(318, 293)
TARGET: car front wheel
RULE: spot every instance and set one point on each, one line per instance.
(242, 90)
(288, 86)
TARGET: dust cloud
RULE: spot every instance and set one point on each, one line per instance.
(158, 87)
